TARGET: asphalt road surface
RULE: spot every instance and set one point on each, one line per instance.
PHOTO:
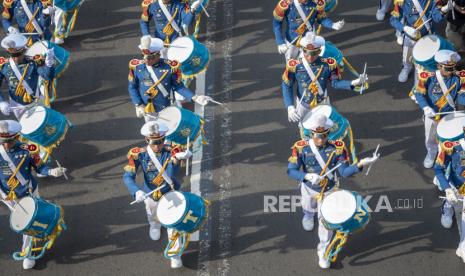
(245, 161)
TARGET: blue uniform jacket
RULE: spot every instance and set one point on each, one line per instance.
(405, 10)
(34, 70)
(13, 11)
(151, 10)
(451, 154)
(32, 161)
(139, 158)
(303, 161)
(286, 11)
(295, 74)
(140, 81)
(429, 93)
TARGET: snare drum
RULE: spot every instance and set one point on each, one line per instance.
(425, 49)
(329, 50)
(450, 127)
(181, 123)
(39, 49)
(193, 55)
(341, 125)
(330, 5)
(44, 126)
(184, 212)
(344, 211)
(35, 217)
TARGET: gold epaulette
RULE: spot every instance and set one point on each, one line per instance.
(291, 67)
(422, 79)
(320, 6)
(340, 146)
(175, 65)
(399, 3)
(132, 66)
(7, 4)
(145, 10)
(296, 150)
(133, 155)
(3, 61)
(46, 3)
(461, 75)
(332, 63)
(445, 148)
(280, 10)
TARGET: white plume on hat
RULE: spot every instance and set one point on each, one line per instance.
(154, 128)
(145, 42)
(311, 39)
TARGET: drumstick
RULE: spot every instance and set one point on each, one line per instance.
(59, 166)
(8, 205)
(364, 73)
(29, 33)
(149, 194)
(293, 41)
(215, 102)
(204, 10)
(459, 199)
(450, 112)
(157, 117)
(421, 26)
(21, 206)
(332, 170)
(187, 161)
(46, 47)
(369, 167)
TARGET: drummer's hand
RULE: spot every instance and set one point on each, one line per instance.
(368, 161)
(429, 112)
(13, 30)
(140, 111)
(313, 178)
(202, 100)
(50, 10)
(410, 31)
(282, 49)
(363, 78)
(5, 108)
(446, 8)
(338, 25)
(140, 196)
(183, 155)
(50, 57)
(57, 172)
(292, 114)
(195, 5)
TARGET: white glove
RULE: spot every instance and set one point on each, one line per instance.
(140, 111)
(313, 178)
(13, 30)
(140, 196)
(447, 7)
(360, 80)
(5, 108)
(282, 49)
(183, 155)
(49, 11)
(429, 112)
(195, 5)
(202, 100)
(57, 172)
(50, 57)
(292, 114)
(368, 160)
(410, 31)
(338, 25)
(451, 196)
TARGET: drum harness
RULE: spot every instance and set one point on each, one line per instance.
(16, 178)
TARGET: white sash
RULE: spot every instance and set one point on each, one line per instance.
(155, 79)
(420, 11)
(313, 77)
(29, 15)
(444, 89)
(302, 15)
(12, 166)
(318, 157)
(159, 167)
(18, 75)
(169, 16)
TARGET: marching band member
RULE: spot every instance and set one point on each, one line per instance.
(31, 16)
(309, 161)
(172, 18)
(383, 7)
(439, 91)
(18, 161)
(311, 74)
(160, 165)
(64, 17)
(412, 18)
(300, 17)
(22, 74)
(153, 81)
(452, 154)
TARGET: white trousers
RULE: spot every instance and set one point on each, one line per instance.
(310, 206)
(151, 209)
(430, 135)
(384, 4)
(459, 210)
(407, 49)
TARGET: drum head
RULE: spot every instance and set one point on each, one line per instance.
(321, 109)
(32, 119)
(338, 207)
(37, 48)
(171, 208)
(450, 127)
(171, 117)
(426, 48)
(181, 49)
(19, 219)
